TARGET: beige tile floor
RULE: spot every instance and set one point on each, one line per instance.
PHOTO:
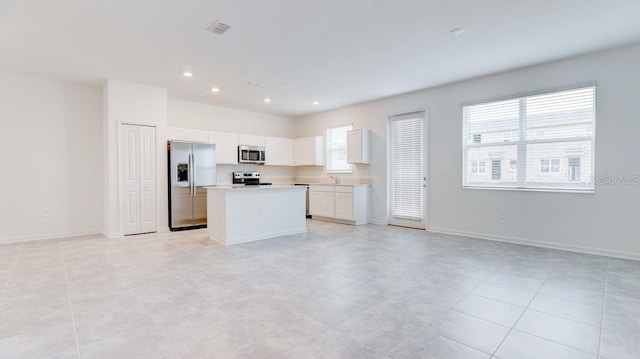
(336, 292)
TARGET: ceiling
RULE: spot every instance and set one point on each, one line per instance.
(338, 52)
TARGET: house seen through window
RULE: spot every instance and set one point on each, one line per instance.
(544, 141)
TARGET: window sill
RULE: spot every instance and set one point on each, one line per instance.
(579, 191)
(338, 171)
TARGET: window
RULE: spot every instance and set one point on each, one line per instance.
(479, 166)
(510, 136)
(337, 149)
(574, 169)
(547, 139)
(550, 165)
(496, 170)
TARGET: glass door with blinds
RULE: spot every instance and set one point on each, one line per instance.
(408, 179)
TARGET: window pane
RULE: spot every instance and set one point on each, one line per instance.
(560, 114)
(497, 160)
(490, 123)
(337, 149)
(558, 165)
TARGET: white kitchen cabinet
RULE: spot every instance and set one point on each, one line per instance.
(344, 204)
(278, 151)
(249, 140)
(358, 146)
(197, 135)
(322, 201)
(186, 134)
(339, 203)
(308, 151)
(226, 147)
(175, 133)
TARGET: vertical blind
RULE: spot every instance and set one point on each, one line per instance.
(407, 171)
(543, 141)
(337, 149)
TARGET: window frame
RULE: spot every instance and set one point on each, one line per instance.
(588, 135)
(328, 149)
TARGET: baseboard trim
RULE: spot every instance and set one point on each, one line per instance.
(114, 235)
(380, 222)
(21, 239)
(533, 243)
(252, 238)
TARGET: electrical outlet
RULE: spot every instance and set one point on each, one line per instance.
(45, 212)
(502, 213)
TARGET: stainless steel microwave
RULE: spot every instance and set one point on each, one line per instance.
(251, 154)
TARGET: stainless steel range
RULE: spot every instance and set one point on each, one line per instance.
(248, 179)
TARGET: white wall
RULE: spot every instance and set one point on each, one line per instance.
(603, 222)
(187, 114)
(51, 157)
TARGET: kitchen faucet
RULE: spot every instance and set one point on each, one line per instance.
(336, 179)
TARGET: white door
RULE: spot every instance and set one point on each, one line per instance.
(138, 169)
(408, 179)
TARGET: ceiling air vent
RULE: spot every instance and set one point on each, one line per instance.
(218, 28)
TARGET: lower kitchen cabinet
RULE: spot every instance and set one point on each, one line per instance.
(322, 201)
(339, 203)
(344, 203)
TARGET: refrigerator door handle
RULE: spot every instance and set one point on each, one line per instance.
(191, 179)
(193, 158)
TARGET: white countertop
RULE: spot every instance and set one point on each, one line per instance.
(255, 188)
(339, 184)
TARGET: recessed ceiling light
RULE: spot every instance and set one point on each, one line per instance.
(457, 31)
(215, 89)
(187, 74)
(316, 102)
(254, 84)
(267, 100)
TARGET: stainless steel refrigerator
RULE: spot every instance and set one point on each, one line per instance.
(191, 167)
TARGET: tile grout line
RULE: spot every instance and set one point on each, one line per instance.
(448, 308)
(66, 281)
(13, 269)
(132, 291)
(604, 307)
(519, 317)
(164, 335)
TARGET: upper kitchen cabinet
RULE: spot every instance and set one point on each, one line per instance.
(249, 140)
(308, 151)
(278, 151)
(186, 134)
(226, 147)
(178, 134)
(358, 146)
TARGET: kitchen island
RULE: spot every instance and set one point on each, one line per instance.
(238, 214)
